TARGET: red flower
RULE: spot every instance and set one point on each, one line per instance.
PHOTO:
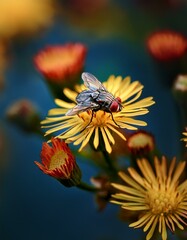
(58, 162)
(60, 63)
(167, 45)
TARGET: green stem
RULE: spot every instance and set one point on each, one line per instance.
(109, 162)
(39, 132)
(87, 187)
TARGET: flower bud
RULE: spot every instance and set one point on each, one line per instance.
(24, 115)
(59, 163)
(61, 65)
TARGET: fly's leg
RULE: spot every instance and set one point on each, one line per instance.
(90, 119)
(89, 122)
(114, 120)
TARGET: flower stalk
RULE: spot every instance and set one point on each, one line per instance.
(87, 187)
(111, 167)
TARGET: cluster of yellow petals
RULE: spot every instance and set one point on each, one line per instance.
(185, 137)
(156, 193)
(79, 128)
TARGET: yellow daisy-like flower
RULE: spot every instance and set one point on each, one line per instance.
(158, 195)
(185, 138)
(79, 129)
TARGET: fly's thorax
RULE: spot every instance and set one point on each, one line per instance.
(104, 99)
(87, 96)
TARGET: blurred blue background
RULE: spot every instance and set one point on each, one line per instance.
(35, 206)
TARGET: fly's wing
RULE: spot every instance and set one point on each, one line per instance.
(91, 82)
(105, 97)
(82, 107)
(86, 96)
(77, 109)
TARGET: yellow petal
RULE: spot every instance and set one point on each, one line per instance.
(164, 232)
(147, 226)
(64, 104)
(142, 221)
(135, 207)
(135, 122)
(117, 85)
(106, 142)
(129, 190)
(116, 131)
(86, 140)
(146, 102)
(178, 172)
(125, 197)
(80, 137)
(130, 181)
(109, 135)
(133, 88)
(134, 98)
(70, 94)
(57, 111)
(96, 138)
(151, 231)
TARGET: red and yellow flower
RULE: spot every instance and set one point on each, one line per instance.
(61, 63)
(167, 45)
(140, 142)
(59, 162)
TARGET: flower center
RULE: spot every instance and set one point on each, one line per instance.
(181, 83)
(100, 118)
(162, 202)
(57, 160)
(141, 140)
(54, 58)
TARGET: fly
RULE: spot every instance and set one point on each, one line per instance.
(95, 98)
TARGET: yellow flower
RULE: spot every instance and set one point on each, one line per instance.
(24, 16)
(157, 195)
(79, 129)
(185, 138)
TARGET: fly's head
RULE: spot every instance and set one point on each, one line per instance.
(116, 105)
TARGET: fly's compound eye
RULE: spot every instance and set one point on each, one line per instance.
(114, 107)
